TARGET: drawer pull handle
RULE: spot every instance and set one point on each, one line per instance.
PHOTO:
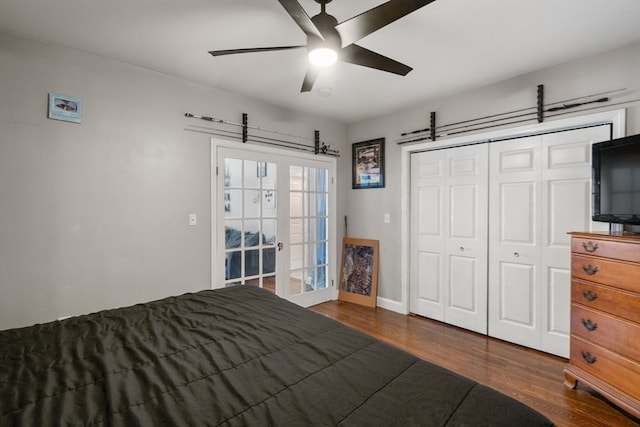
(588, 357)
(590, 269)
(590, 246)
(589, 296)
(589, 325)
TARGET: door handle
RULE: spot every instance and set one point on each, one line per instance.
(280, 246)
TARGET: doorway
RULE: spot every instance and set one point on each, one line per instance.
(273, 222)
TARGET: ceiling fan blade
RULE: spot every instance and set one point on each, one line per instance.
(251, 50)
(362, 25)
(358, 55)
(299, 15)
(309, 79)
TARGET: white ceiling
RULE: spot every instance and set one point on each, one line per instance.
(453, 45)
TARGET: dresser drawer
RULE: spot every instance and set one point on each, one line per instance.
(623, 275)
(604, 248)
(620, 372)
(608, 331)
(614, 301)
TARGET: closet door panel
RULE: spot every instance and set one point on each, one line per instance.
(466, 247)
(462, 284)
(514, 272)
(450, 188)
(429, 204)
(428, 216)
(566, 206)
(563, 196)
(517, 288)
(463, 211)
(556, 314)
(428, 287)
(517, 213)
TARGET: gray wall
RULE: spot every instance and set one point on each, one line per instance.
(613, 70)
(94, 215)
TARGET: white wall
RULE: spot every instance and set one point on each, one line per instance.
(365, 209)
(94, 215)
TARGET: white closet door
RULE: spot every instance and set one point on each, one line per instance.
(540, 190)
(428, 236)
(449, 251)
(515, 231)
(566, 206)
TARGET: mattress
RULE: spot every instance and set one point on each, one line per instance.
(238, 356)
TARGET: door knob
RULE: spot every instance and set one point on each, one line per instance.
(280, 246)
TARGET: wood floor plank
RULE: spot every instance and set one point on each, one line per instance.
(527, 375)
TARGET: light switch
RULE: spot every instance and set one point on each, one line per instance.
(387, 218)
(193, 219)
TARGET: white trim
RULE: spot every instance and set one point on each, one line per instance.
(389, 304)
(213, 211)
(615, 117)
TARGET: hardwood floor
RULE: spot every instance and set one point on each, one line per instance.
(532, 377)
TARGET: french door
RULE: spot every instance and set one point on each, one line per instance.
(272, 225)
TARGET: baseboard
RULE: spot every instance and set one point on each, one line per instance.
(391, 305)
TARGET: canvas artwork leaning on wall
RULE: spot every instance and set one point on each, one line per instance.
(359, 271)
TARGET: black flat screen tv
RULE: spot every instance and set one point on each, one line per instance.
(616, 180)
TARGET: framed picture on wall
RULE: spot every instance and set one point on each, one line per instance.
(368, 164)
(66, 108)
(359, 271)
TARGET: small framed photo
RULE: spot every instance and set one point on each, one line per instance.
(368, 164)
(66, 108)
(359, 271)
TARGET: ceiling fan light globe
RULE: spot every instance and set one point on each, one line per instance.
(323, 57)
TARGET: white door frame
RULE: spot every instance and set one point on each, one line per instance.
(617, 118)
(332, 232)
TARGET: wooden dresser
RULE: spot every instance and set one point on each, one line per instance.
(605, 317)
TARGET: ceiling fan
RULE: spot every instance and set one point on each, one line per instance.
(328, 40)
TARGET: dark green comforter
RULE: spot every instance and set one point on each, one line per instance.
(237, 356)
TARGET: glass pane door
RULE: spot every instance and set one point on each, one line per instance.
(273, 236)
(308, 234)
(250, 222)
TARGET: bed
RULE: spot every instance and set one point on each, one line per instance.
(238, 356)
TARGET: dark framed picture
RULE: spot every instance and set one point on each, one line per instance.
(66, 108)
(359, 271)
(368, 164)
